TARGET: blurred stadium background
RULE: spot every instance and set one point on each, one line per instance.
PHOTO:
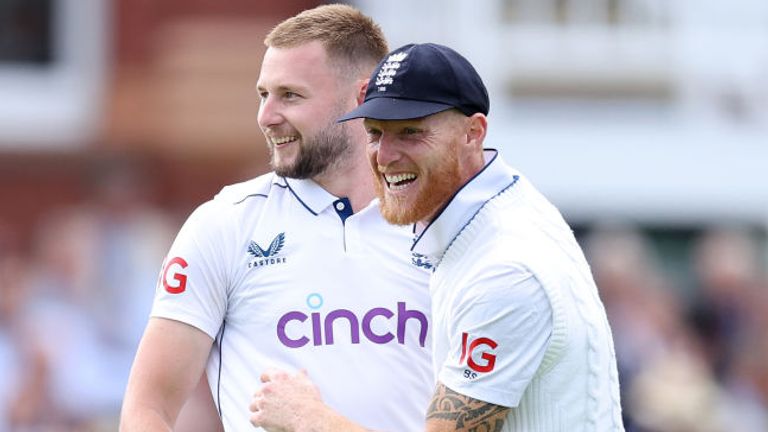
(644, 121)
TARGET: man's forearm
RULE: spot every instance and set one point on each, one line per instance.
(333, 422)
(291, 402)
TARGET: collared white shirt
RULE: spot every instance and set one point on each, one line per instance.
(282, 274)
(495, 178)
(517, 321)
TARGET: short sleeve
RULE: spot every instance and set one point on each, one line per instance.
(501, 325)
(192, 286)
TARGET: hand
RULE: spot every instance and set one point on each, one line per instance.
(286, 402)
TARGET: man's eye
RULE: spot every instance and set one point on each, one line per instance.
(290, 95)
(373, 135)
(410, 131)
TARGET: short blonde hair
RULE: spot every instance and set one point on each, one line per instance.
(353, 41)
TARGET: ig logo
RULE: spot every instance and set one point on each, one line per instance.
(179, 283)
(467, 349)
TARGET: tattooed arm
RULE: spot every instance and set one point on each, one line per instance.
(452, 411)
(291, 403)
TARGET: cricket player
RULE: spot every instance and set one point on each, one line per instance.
(294, 269)
(521, 341)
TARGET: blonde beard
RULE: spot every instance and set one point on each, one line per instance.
(330, 145)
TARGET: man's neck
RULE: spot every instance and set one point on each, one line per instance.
(352, 180)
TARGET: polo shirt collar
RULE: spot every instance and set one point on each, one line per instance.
(314, 198)
(465, 203)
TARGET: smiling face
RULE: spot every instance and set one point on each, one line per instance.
(301, 97)
(419, 164)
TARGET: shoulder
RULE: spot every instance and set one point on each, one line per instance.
(228, 206)
(259, 187)
(492, 278)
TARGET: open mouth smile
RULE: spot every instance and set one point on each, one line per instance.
(399, 181)
(283, 140)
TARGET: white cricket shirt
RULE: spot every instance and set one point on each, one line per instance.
(282, 274)
(517, 320)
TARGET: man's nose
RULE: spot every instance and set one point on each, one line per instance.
(269, 113)
(387, 151)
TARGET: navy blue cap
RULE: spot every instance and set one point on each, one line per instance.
(417, 80)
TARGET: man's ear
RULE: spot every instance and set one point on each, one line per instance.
(477, 127)
(362, 86)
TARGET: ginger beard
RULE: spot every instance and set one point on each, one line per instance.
(329, 145)
(435, 188)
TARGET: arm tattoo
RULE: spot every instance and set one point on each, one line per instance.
(468, 414)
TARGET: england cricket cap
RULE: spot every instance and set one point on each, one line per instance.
(417, 80)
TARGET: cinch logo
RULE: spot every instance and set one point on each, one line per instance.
(294, 331)
(180, 278)
(490, 359)
(269, 256)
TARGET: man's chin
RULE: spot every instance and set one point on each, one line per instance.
(396, 220)
(282, 168)
(397, 213)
